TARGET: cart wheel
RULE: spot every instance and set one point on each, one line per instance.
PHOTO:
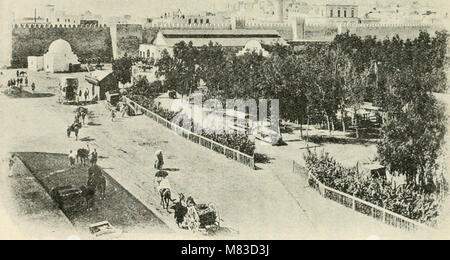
(213, 207)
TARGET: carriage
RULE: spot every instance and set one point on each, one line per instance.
(68, 90)
(203, 218)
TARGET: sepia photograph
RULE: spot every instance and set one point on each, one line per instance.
(224, 120)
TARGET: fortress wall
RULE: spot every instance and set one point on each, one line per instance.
(87, 42)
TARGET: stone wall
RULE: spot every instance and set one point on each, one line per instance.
(87, 42)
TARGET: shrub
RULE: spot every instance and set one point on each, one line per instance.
(406, 201)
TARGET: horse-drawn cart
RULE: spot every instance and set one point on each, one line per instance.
(203, 218)
(69, 87)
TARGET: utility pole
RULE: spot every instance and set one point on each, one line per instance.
(35, 19)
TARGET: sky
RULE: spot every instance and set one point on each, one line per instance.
(136, 8)
(140, 8)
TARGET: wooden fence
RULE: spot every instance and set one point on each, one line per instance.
(195, 138)
(358, 205)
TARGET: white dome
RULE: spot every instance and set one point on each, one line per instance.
(60, 46)
(253, 44)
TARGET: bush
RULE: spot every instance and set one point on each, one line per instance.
(405, 201)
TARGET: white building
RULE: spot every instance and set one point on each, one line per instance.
(166, 40)
(36, 63)
(59, 57)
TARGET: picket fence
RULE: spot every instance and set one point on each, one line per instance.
(195, 138)
(358, 205)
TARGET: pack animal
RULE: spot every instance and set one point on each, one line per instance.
(75, 128)
(82, 156)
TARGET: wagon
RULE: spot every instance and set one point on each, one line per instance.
(68, 198)
(203, 218)
(68, 90)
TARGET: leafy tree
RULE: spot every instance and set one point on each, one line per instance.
(122, 69)
(414, 129)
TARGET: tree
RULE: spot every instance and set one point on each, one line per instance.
(213, 69)
(122, 69)
(414, 129)
(180, 71)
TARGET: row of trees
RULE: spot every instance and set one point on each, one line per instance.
(314, 84)
(319, 82)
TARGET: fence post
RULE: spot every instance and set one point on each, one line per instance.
(353, 203)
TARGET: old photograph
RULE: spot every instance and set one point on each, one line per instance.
(224, 120)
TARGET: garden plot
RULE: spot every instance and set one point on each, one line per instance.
(119, 208)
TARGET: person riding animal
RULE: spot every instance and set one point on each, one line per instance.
(75, 127)
(165, 193)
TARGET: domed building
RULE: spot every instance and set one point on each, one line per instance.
(60, 57)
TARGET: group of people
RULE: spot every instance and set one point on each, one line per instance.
(20, 81)
(92, 156)
(123, 110)
(82, 94)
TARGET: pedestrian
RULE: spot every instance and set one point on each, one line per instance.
(11, 165)
(33, 86)
(86, 95)
(113, 114)
(124, 109)
(72, 158)
(17, 73)
(94, 157)
(26, 82)
(159, 162)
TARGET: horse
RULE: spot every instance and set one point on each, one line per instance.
(180, 210)
(75, 127)
(82, 155)
(97, 180)
(88, 192)
(166, 197)
(82, 112)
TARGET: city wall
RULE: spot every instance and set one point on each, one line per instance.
(327, 32)
(126, 39)
(87, 42)
(105, 43)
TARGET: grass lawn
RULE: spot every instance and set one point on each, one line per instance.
(119, 208)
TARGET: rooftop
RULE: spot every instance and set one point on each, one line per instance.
(226, 38)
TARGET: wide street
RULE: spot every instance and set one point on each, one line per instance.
(269, 203)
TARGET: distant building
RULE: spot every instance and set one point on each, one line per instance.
(88, 22)
(51, 16)
(198, 18)
(101, 82)
(35, 63)
(238, 39)
(59, 58)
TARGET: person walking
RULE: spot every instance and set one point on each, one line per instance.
(86, 95)
(159, 162)
(124, 109)
(33, 86)
(94, 157)
(113, 114)
(72, 158)
(11, 164)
